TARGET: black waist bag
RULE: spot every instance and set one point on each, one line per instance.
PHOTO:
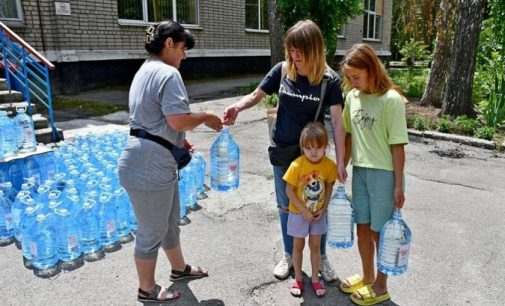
(283, 156)
(181, 155)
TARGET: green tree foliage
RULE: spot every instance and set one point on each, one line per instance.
(329, 15)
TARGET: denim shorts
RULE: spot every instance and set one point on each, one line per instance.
(372, 196)
(298, 227)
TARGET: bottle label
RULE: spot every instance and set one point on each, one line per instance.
(72, 243)
(33, 249)
(403, 255)
(110, 227)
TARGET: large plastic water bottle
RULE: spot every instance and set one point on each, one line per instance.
(224, 162)
(43, 246)
(340, 220)
(8, 140)
(6, 228)
(201, 166)
(122, 215)
(27, 142)
(109, 238)
(183, 200)
(69, 251)
(17, 210)
(31, 170)
(394, 246)
(27, 220)
(89, 231)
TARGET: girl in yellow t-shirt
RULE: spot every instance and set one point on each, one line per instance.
(309, 180)
(376, 133)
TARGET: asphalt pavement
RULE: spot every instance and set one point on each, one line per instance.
(455, 209)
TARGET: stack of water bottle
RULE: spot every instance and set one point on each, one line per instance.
(17, 134)
(192, 186)
(395, 236)
(66, 206)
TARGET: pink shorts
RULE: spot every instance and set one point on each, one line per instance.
(298, 227)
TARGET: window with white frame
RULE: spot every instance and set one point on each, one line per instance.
(10, 10)
(256, 15)
(372, 19)
(182, 11)
(341, 31)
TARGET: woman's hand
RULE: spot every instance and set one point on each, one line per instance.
(188, 146)
(213, 122)
(230, 114)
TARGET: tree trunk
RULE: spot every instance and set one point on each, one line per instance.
(434, 90)
(276, 30)
(458, 92)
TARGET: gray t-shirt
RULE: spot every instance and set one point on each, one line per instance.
(157, 90)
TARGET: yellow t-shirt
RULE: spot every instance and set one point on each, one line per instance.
(309, 181)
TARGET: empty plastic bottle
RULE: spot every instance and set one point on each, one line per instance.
(394, 246)
(7, 136)
(89, 231)
(43, 246)
(69, 251)
(27, 142)
(340, 220)
(109, 238)
(224, 162)
(6, 227)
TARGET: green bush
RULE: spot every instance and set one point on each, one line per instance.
(466, 126)
(420, 123)
(411, 80)
(485, 132)
(414, 51)
(493, 110)
(445, 125)
(271, 101)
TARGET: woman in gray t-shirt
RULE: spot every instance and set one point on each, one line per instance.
(159, 107)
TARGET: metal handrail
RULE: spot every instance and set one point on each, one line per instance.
(27, 46)
(28, 71)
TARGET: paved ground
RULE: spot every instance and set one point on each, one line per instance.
(455, 208)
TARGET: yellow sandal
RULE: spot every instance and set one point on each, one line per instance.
(351, 284)
(366, 296)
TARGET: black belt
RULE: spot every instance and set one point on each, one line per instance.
(143, 134)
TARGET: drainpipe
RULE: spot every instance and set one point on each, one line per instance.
(42, 35)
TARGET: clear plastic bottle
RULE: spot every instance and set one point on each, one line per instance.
(224, 162)
(6, 227)
(27, 142)
(29, 215)
(109, 238)
(122, 215)
(8, 136)
(17, 210)
(89, 231)
(340, 220)
(394, 246)
(43, 246)
(201, 167)
(68, 247)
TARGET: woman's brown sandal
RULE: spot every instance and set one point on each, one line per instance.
(190, 272)
(158, 295)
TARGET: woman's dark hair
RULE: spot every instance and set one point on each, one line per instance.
(158, 33)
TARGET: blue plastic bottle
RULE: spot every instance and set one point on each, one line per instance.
(69, 251)
(43, 246)
(122, 214)
(183, 200)
(27, 141)
(6, 227)
(7, 136)
(394, 246)
(109, 238)
(224, 162)
(31, 170)
(17, 209)
(89, 231)
(340, 220)
(201, 166)
(27, 220)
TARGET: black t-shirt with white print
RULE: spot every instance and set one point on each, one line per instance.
(298, 102)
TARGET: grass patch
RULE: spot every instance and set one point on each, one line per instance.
(88, 108)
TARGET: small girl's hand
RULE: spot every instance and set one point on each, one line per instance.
(307, 215)
(318, 214)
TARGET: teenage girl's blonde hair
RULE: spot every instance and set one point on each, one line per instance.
(307, 38)
(313, 135)
(362, 56)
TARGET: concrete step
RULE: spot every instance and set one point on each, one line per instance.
(11, 107)
(44, 135)
(11, 96)
(40, 122)
(3, 84)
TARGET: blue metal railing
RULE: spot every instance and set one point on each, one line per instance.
(27, 71)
